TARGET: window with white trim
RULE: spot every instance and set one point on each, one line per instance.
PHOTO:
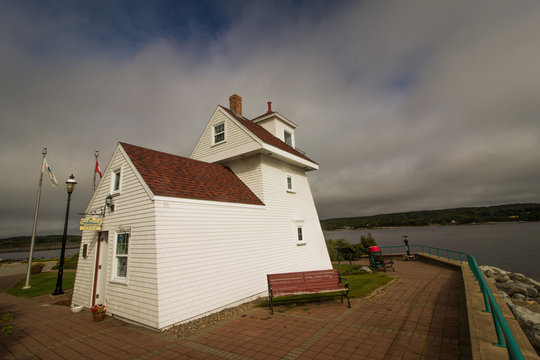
(287, 137)
(116, 181)
(219, 133)
(121, 255)
(299, 230)
(290, 184)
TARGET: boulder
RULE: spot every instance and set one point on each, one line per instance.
(528, 320)
(518, 277)
(489, 273)
(501, 278)
(512, 288)
(529, 305)
(366, 269)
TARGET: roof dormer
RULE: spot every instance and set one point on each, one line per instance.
(230, 136)
(278, 125)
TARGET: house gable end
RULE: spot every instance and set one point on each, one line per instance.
(235, 140)
(104, 187)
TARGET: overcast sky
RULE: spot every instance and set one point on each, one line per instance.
(406, 105)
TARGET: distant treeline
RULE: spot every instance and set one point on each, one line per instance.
(468, 215)
(41, 242)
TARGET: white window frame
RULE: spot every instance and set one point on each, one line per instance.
(290, 184)
(300, 235)
(215, 134)
(115, 173)
(115, 275)
(285, 132)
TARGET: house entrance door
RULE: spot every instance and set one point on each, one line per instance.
(100, 271)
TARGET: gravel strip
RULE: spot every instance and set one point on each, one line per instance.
(197, 325)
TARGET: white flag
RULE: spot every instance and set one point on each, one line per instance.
(48, 169)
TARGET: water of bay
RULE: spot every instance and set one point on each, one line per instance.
(513, 247)
(37, 254)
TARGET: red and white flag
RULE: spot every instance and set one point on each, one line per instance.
(98, 170)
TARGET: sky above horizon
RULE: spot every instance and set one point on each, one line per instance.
(406, 105)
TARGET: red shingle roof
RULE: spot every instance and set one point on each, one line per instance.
(177, 176)
(266, 136)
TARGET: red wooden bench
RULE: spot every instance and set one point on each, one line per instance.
(306, 282)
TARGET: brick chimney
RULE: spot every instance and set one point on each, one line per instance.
(235, 104)
(269, 107)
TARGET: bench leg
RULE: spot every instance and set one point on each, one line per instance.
(271, 307)
(348, 301)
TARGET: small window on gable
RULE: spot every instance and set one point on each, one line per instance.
(290, 185)
(219, 133)
(300, 234)
(115, 185)
(287, 137)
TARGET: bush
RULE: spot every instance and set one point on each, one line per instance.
(367, 241)
(333, 247)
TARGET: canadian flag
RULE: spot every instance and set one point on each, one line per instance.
(98, 170)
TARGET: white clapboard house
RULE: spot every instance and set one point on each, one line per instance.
(185, 237)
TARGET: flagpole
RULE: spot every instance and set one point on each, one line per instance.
(27, 286)
(94, 182)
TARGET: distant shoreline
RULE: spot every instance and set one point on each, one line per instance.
(430, 225)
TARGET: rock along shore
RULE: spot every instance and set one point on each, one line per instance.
(522, 295)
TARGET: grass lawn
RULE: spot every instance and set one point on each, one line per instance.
(360, 285)
(42, 284)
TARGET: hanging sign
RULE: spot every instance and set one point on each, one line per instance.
(90, 223)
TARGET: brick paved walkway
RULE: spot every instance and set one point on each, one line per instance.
(422, 315)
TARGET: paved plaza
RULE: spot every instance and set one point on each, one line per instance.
(421, 315)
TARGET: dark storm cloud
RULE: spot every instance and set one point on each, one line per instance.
(405, 105)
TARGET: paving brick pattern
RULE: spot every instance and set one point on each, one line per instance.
(421, 315)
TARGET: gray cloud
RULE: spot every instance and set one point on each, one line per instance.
(405, 105)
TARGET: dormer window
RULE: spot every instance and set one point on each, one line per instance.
(287, 137)
(219, 133)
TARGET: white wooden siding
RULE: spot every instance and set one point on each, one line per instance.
(249, 171)
(135, 299)
(269, 125)
(237, 140)
(213, 255)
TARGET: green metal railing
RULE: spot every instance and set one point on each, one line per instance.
(505, 338)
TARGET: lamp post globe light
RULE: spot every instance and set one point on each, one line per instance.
(70, 186)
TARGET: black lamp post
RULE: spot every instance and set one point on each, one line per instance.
(70, 186)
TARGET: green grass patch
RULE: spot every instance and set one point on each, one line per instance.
(361, 284)
(42, 284)
(346, 269)
(364, 284)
